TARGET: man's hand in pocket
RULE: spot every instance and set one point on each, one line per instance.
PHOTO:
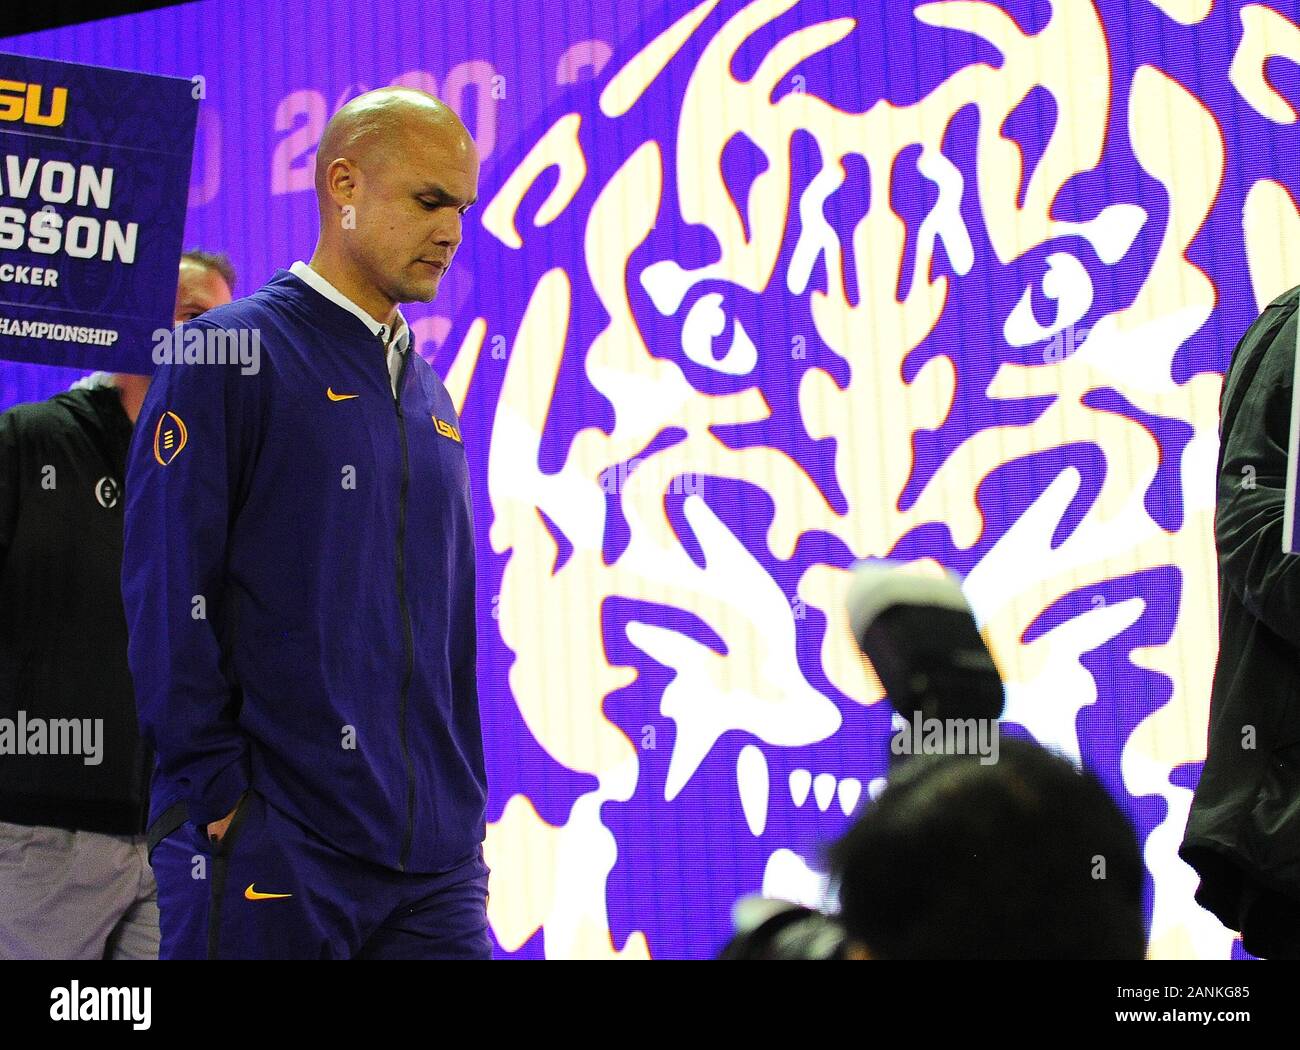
(217, 829)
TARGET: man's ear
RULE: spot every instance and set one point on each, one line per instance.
(341, 181)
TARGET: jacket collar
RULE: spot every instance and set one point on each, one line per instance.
(401, 334)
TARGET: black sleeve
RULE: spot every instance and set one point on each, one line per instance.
(8, 482)
(1251, 500)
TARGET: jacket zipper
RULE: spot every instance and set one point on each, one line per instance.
(407, 640)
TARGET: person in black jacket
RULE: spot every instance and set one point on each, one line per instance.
(75, 882)
(1243, 832)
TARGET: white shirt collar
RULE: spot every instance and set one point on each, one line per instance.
(401, 331)
(95, 379)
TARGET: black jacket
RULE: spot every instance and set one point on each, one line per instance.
(1243, 832)
(63, 639)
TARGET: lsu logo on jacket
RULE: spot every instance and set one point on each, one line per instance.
(447, 430)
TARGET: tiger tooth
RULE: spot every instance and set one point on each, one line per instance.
(752, 782)
(824, 789)
(800, 782)
(850, 790)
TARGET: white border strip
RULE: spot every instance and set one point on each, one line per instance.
(1293, 449)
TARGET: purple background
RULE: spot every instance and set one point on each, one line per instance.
(680, 864)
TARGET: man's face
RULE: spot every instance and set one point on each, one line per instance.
(410, 200)
(198, 291)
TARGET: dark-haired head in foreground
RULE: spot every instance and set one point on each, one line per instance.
(1024, 859)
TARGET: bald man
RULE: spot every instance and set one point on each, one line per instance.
(299, 586)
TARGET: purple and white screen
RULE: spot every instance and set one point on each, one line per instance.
(755, 291)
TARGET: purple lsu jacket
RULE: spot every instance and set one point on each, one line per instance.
(298, 579)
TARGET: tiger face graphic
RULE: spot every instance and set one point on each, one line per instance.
(795, 284)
